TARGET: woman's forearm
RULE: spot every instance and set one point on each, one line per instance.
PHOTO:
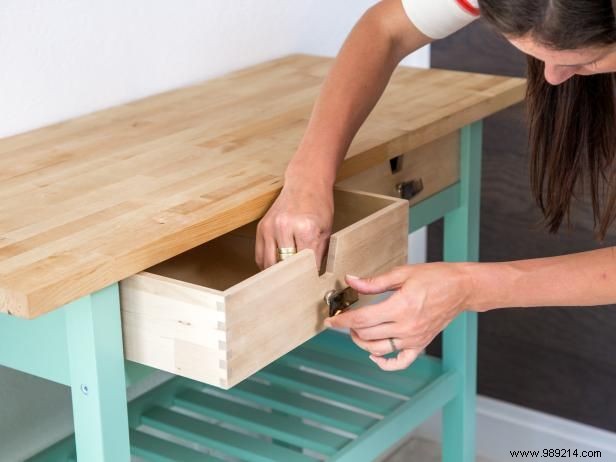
(357, 79)
(579, 279)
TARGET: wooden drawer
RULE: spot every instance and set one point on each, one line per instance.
(210, 315)
(436, 165)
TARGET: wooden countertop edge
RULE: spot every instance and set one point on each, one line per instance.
(34, 304)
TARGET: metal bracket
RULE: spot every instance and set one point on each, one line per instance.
(409, 189)
(340, 300)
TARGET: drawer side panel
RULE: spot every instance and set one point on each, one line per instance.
(173, 326)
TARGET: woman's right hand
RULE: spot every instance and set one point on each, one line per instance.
(301, 217)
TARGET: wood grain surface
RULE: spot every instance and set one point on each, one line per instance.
(90, 201)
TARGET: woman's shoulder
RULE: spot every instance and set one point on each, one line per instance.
(440, 18)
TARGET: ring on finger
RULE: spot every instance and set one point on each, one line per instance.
(393, 345)
(282, 253)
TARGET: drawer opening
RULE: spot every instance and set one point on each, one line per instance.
(229, 259)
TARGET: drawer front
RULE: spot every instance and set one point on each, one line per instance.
(436, 165)
(210, 315)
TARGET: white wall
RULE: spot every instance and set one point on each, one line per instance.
(63, 58)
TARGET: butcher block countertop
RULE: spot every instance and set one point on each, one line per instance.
(90, 201)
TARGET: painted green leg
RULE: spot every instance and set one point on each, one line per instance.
(461, 243)
(98, 386)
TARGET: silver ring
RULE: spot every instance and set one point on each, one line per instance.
(393, 345)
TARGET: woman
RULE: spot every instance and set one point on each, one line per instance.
(571, 48)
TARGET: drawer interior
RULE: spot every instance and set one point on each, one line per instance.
(224, 262)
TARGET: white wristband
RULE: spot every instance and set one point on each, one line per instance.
(440, 18)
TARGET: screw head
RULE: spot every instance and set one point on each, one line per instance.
(84, 389)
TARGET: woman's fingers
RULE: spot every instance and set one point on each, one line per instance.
(260, 247)
(308, 235)
(273, 235)
(284, 239)
(265, 252)
(380, 347)
(299, 234)
(382, 283)
(402, 360)
(301, 217)
(368, 316)
(382, 313)
(269, 252)
(284, 235)
(264, 244)
(429, 297)
(380, 331)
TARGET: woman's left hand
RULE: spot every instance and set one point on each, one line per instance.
(426, 298)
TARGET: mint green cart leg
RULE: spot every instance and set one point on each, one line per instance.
(461, 243)
(96, 374)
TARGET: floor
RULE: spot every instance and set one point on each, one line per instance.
(419, 450)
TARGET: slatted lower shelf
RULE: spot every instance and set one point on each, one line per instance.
(323, 401)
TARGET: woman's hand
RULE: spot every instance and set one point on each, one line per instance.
(301, 217)
(302, 214)
(426, 298)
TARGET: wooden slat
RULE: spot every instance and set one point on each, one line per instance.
(155, 449)
(366, 373)
(90, 201)
(284, 428)
(292, 402)
(325, 387)
(400, 423)
(340, 345)
(213, 436)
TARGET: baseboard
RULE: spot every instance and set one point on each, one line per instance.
(504, 427)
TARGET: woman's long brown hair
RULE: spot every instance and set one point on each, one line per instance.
(572, 133)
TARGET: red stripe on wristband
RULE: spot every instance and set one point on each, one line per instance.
(466, 6)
